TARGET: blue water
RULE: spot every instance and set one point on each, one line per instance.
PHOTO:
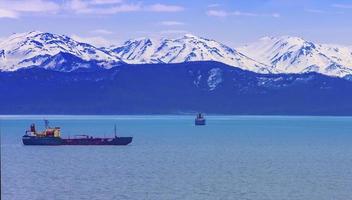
(233, 157)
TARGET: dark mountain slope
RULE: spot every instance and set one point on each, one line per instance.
(208, 87)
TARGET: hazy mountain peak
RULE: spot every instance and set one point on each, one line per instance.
(289, 54)
(35, 47)
(185, 49)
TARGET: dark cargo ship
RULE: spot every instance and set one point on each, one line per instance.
(52, 136)
(200, 120)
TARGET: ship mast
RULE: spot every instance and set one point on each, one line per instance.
(115, 130)
(46, 123)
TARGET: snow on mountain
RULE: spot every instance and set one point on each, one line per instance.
(35, 48)
(215, 78)
(269, 55)
(185, 49)
(295, 55)
(337, 53)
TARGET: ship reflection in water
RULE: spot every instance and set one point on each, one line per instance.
(52, 136)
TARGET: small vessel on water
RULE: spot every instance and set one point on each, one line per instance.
(52, 136)
(200, 120)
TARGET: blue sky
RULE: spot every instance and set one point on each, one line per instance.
(232, 22)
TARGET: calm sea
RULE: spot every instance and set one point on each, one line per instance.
(233, 157)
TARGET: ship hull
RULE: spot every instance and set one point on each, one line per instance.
(199, 122)
(32, 140)
(98, 141)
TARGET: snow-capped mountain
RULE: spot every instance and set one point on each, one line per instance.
(40, 49)
(269, 55)
(296, 55)
(185, 49)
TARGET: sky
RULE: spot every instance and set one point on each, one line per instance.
(232, 22)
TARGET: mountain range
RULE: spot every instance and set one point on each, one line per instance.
(189, 87)
(45, 73)
(269, 55)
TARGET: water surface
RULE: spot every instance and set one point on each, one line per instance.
(233, 157)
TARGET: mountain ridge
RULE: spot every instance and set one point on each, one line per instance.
(35, 47)
(185, 49)
(210, 87)
(283, 54)
(295, 55)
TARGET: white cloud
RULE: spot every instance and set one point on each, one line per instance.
(318, 11)
(315, 11)
(214, 5)
(172, 23)
(223, 13)
(109, 7)
(96, 41)
(217, 13)
(276, 15)
(167, 32)
(164, 8)
(342, 5)
(76, 5)
(8, 14)
(30, 6)
(81, 7)
(14, 9)
(105, 2)
(103, 7)
(117, 9)
(101, 32)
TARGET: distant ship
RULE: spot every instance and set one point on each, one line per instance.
(52, 136)
(200, 120)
